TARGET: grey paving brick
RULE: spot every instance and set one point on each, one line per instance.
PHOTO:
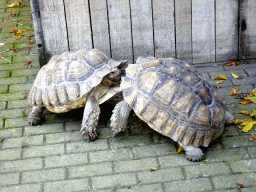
(18, 104)
(174, 160)
(251, 72)
(5, 74)
(243, 166)
(206, 170)
(44, 129)
(7, 133)
(200, 184)
(13, 113)
(66, 160)
(24, 72)
(64, 137)
(161, 175)
(43, 175)
(17, 142)
(20, 87)
(114, 181)
(244, 81)
(237, 141)
(212, 68)
(9, 179)
(154, 150)
(249, 189)
(1, 123)
(78, 147)
(2, 105)
(135, 165)
(239, 72)
(142, 188)
(43, 151)
(4, 89)
(16, 122)
(229, 181)
(90, 170)
(130, 141)
(10, 154)
(21, 165)
(27, 188)
(252, 152)
(241, 89)
(13, 80)
(67, 185)
(12, 96)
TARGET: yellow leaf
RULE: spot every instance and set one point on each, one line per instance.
(235, 75)
(238, 121)
(245, 102)
(253, 92)
(245, 112)
(153, 169)
(252, 98)
(248, 127)
(15, 4)
(220, 77)
(246, 122)
(206, 160)
(219, 82)
(234, 91)
(253, 113)
(180, 149)
(215, 65)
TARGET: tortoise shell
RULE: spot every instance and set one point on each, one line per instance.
(68, 77)
(174, 99)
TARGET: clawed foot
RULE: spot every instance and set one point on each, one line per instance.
(34, 120)
(193, 153)
(89, 136)
(35, 116)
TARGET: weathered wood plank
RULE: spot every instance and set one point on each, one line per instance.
(183, 30)
(164, 30)
(248, 32)
(54, 27)
(120, 30)
(142, 28)
(100, 28)
(78, 24)
(203, 31)
(226, 30)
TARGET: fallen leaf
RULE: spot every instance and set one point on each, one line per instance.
(153, 169)
(206, 160)
(245, 102)
(15, 4)
(253, 133)
(31, 42)
(134, 157)
(180, 149)
(238, 121)
(252, 98)
(20, 32)
(220, 77)
(244, 112)
(251, 139)
(232, 63)
(217, 86)
(247, 121)
(240, 185)
(253, 113)
(235, 75)
(253, 92)
(233, 105)
(12, 14)
(14, 50)
(30, 36)
(29, 62)
(247, 127)
(219, 82)
(13, 30)
(215, 65)
(234, 91)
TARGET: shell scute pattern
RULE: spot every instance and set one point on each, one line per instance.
(172, 97)
(69, 76)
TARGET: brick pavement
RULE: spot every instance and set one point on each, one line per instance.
(55, 157)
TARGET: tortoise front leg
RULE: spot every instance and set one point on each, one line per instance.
(193, 153)
(90, 119)
(35, 116)
(119, 117)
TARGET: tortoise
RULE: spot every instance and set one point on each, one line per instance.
(72, 80)
(174, 100)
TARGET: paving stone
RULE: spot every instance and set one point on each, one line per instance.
(27, 188)
(25, 88)
(201, 184)
(2, 105)
(10, 154)
(239, 72)
(14, 113)
(252, 152)
(90, 170)
(130, 141)
(66, 160)
(24, 72)
(244, 81)
(12, 96)
(243, 166)
(110, 155)
(206, 170)
(43, 151)
(9, 179)
(210, 68)
(5, 74)
(142, 188)
(1, 123)
(248, 189)
(241, 89)
(161, 175)
(13, 80)
(174, 160)
(114, 181)
(64, 137)
(135, 165)
(21, 165)
(229, 181)
(78, 147)
(238, 141)
(44, 129)
(18, 104)
(19, 142)
(7, 133)
(67, 185)
(43, 175)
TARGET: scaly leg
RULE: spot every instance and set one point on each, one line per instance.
(35, 116)
(119, 117)
(193, 153)
(90, 119)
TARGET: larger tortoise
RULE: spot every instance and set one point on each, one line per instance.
(174, 100)
(72, 80)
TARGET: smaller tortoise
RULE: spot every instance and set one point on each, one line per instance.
(72, 80)
(174, 100)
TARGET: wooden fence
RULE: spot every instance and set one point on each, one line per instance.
(193, 30)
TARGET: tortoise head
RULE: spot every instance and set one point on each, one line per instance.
(112, 78)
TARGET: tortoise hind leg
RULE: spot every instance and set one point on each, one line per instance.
(229, 117)
(119, 117)
(90, 119)
(35, 116)
(193, 153)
